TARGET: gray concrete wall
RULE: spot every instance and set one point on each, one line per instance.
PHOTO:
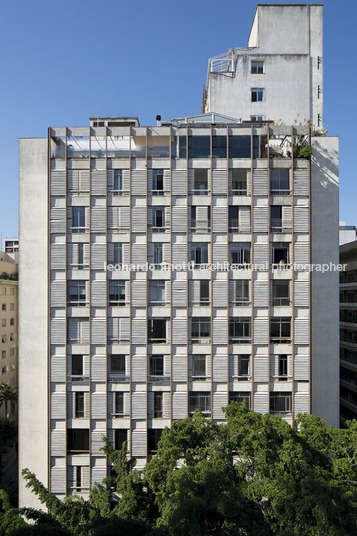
(33, 401)
(325, 286)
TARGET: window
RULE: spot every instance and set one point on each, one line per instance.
(119, 403)
(233, 218)
(79, 405)
(157, 292)
(257, 67)
(118, 182)
(280, 253)
(280, 402)
(117, 253)
(241, 292)
(283, 367)
(200, 182)
(77, 365)
(240, 253)
(3, 354)
(3, 338)
(3, 306)
(199, 253)
(244, 367)
(157, 330)
(279, 181)
(3, 322)
(80, 256)
(276, 222)
(117, 293)
(78, 219)
(219, 146)
(120, 437)
(199, 146)
(12, 307)
(239, 181)
(78, 477)
(117, 364)
(281, 292)
(158, 407)
(199, 400)
(201, 329)
(158, 219)
(12, 336)
(240, 396)
(153, 440)
(239, 329)
(257, 94)
(204, 292)
(12, 352)
(198, 366)
(157, 253)
(158, 182)
(280, 329)
(77, 293)
(78, 440)
(193, 218)
(3, 370)
(156, 365)
(257, 118)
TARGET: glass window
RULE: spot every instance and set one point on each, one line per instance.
(78, 440)
(3, 322)
(233, 218)
(77, 365)
(280, 253)
(276, 218)
(204, 292)
(3, 307)
(157, 330)
(201, 328)
(240, 396)
(118, 182)
(158, 182)
(3, 353)
(76, 292)
(281, 292)
(200, 182)
(279, 181)
(280, 402)
(283, 367)
(78, 219)
(280, 329)
(117, 364)
(240, 253)
(153, 440)
(120, 437)
(158, 219)
(244, 367)
(198, 366)
(156, 365)
(119, 403)
(157, 253)
(199, 253)
(257, 94)
(158, 406)
(257, 67)
(79, 405)
(239, 181)
(117, 292)
(239, 328)
(157, 292)
(219, 146)
(118, 252)
(241, 292)
(199, 400)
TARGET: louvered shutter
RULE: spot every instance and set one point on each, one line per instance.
(219, 400)
(301, 219)
(219, 182)
(58, 182)
(138, 182)
(179, 405)
(98, 182)
(220, 219)
(138, 220)
(179, 182)
(179, 330)
(301, 182)
(261, 402)
(179, 219)
(260, 330)
(260, 182)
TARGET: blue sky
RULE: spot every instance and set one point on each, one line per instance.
(64, 61)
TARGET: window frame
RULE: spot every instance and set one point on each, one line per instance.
(258, 70)
(257, 94)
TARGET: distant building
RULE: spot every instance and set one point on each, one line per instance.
(11, 247)
(348, 332)
(278, 76)
(348, 233)
(8, 322)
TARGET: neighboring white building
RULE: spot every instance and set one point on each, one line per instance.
(279, 76)
(348, 233)
(124, 352)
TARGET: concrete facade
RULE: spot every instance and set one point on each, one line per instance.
(8, 324)
(287, 40)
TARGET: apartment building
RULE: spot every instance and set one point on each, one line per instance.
(348, 332)
(161, 279)
(279, 75)
(8, 323)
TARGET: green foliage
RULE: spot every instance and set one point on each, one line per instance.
(251, 476)
(302, 151)
(7, 397)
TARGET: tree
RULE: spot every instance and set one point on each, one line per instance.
(8, 397)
